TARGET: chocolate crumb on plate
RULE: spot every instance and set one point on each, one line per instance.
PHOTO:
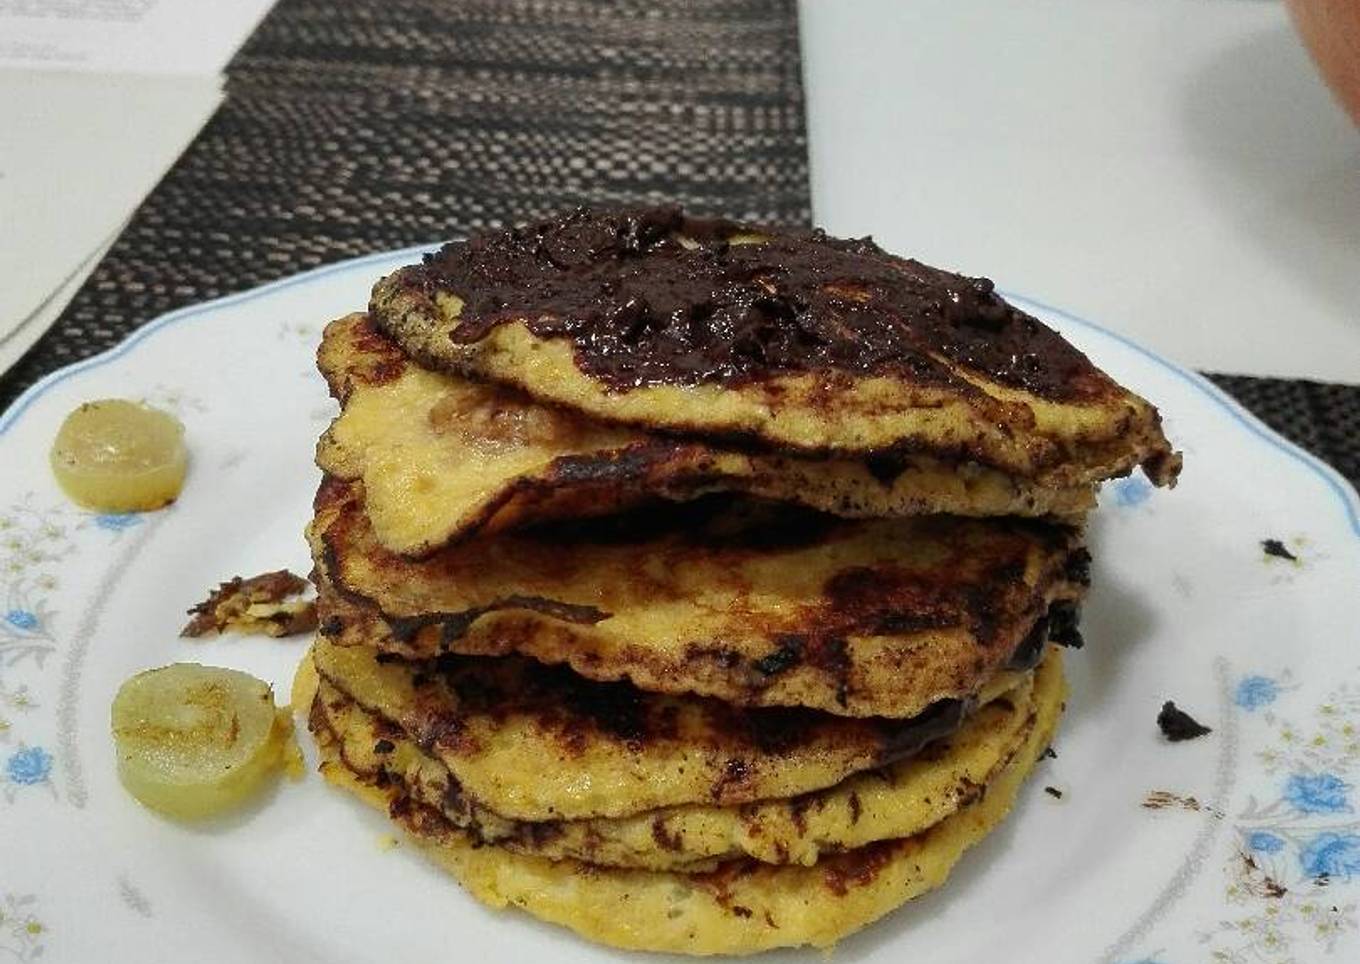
(1166, 800)
(1177, 725)
(1254, 880)
(1276, 548)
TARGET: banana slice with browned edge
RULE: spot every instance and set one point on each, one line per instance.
(194, 741)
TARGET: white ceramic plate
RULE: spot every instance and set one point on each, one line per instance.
(1186, 606)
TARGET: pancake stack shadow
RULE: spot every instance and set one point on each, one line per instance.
(695, 586)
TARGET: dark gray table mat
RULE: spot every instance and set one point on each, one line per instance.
(353, 126)
(1320, 417)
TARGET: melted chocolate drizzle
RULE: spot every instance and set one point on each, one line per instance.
(651, 297)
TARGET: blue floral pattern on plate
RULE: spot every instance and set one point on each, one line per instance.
(1131, 491)
(1254, 692)
(28, 765)
(35, 544)
(1317, 793)
(1295, 850)
(117, 521)
(1331, 855)
(1264, 842)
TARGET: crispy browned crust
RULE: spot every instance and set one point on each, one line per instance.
(791, 830)
(867, 640)
(259, 604)
(363, 355)
(586, 469)
(659, 468)
(474, 714)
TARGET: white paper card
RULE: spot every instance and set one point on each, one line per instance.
(16, 341)
(92, 146)
(126, 36)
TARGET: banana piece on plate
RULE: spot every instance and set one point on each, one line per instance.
(194, 741)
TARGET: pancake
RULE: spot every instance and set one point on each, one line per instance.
(893, 801)
(443, 457)
(789, 339)
(743, 906)
(534, 742)
(754, 604)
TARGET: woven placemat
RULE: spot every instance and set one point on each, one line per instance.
(353, 126)
(1320, 417)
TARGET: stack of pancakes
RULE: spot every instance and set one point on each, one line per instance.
(697, 586)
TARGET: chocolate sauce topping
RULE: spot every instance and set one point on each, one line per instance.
(653, 297)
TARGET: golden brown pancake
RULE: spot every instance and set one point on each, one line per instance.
(791, 339)
(535, 742)
(443, 457)
(742, 906)
(897, 800)
(753, 603)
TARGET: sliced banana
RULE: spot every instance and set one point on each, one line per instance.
(120, 456)
(194, 741)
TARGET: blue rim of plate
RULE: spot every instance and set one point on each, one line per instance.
(1349, 498)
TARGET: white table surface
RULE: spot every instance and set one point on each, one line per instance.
(1173, 169)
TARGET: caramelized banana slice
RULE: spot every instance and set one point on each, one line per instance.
(195, 740)
(119, 456)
